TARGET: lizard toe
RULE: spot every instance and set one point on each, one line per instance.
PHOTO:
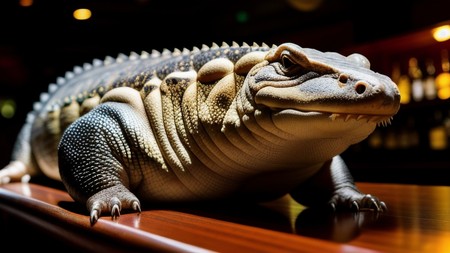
(96, 210)
(369, 202)
(13, 172)
(116, 206)
(352, 199)
(136, 206)
(354, 206)
(112, 200)
(95, 213)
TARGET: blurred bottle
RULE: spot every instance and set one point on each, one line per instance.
(429, 85)
(443, 79)
(438, 132)
(403, 83)
(391, 140)
(375, 140)
(408, 135)
(416, 76)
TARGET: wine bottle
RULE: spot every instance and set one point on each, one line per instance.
(403, 83)
(416, 76)
(443, 79)
(429, 85)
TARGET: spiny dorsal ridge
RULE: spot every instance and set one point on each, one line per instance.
(205, 47)
(244, 44)
(77, 70)
(37, 106)
(121, 58)
(44, 97)
(144, 55)
(69, 75)
(166, 52)
(185, 51)
(60, 80)
(234, 44)
(97, 62)
(30, 117)
(52, 88)
(133, 56)
(87, 66)
(214, 45)
(176, 52)
(155, 53)
(108, 60)
(224, 45)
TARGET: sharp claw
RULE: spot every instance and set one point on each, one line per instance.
(355, 206)
(374, 203)
(332, 207)
(94, 216)
(383, 206)
(25, 178)
(136, 206)
(115, 211)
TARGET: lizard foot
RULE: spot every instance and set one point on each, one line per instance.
(112, 200)
(13, 172)
(350, 198)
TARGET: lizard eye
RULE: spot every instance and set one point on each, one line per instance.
(286, 62)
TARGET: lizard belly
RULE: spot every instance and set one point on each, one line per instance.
(275, 183)
(193, 184)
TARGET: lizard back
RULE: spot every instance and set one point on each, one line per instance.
(80, 90)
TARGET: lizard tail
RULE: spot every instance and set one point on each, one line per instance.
(22, 164)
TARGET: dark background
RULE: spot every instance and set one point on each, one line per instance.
(41, 42)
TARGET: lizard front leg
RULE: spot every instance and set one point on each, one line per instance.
(334, 185)
(102, 153)
(93, 154)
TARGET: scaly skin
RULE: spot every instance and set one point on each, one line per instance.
(248, 122)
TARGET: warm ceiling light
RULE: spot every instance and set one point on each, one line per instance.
(26, 3)
(441, 33)
(305, 5)
(82, 14)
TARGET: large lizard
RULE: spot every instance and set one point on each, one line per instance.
(240, 121)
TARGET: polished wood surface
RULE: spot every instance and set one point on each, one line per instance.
(417, 220)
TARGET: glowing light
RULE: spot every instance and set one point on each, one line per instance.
(305, 5)
(404, 86)
(82, 14)
(441, 33)
(442, 80)
(26, 3)
(7, 108)
(242, 16)
(438, 138)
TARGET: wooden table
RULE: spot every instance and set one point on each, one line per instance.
(417, 220)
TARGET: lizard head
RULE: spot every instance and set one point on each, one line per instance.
(301, 83)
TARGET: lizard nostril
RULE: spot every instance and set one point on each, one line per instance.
(360, 88)
(343, 78)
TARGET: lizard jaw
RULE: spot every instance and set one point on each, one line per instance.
(380, 120)
(327, 125)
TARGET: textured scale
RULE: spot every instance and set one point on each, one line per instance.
(230, 121)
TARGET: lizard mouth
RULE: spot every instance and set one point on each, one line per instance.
(379, 120)
(371, 107)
